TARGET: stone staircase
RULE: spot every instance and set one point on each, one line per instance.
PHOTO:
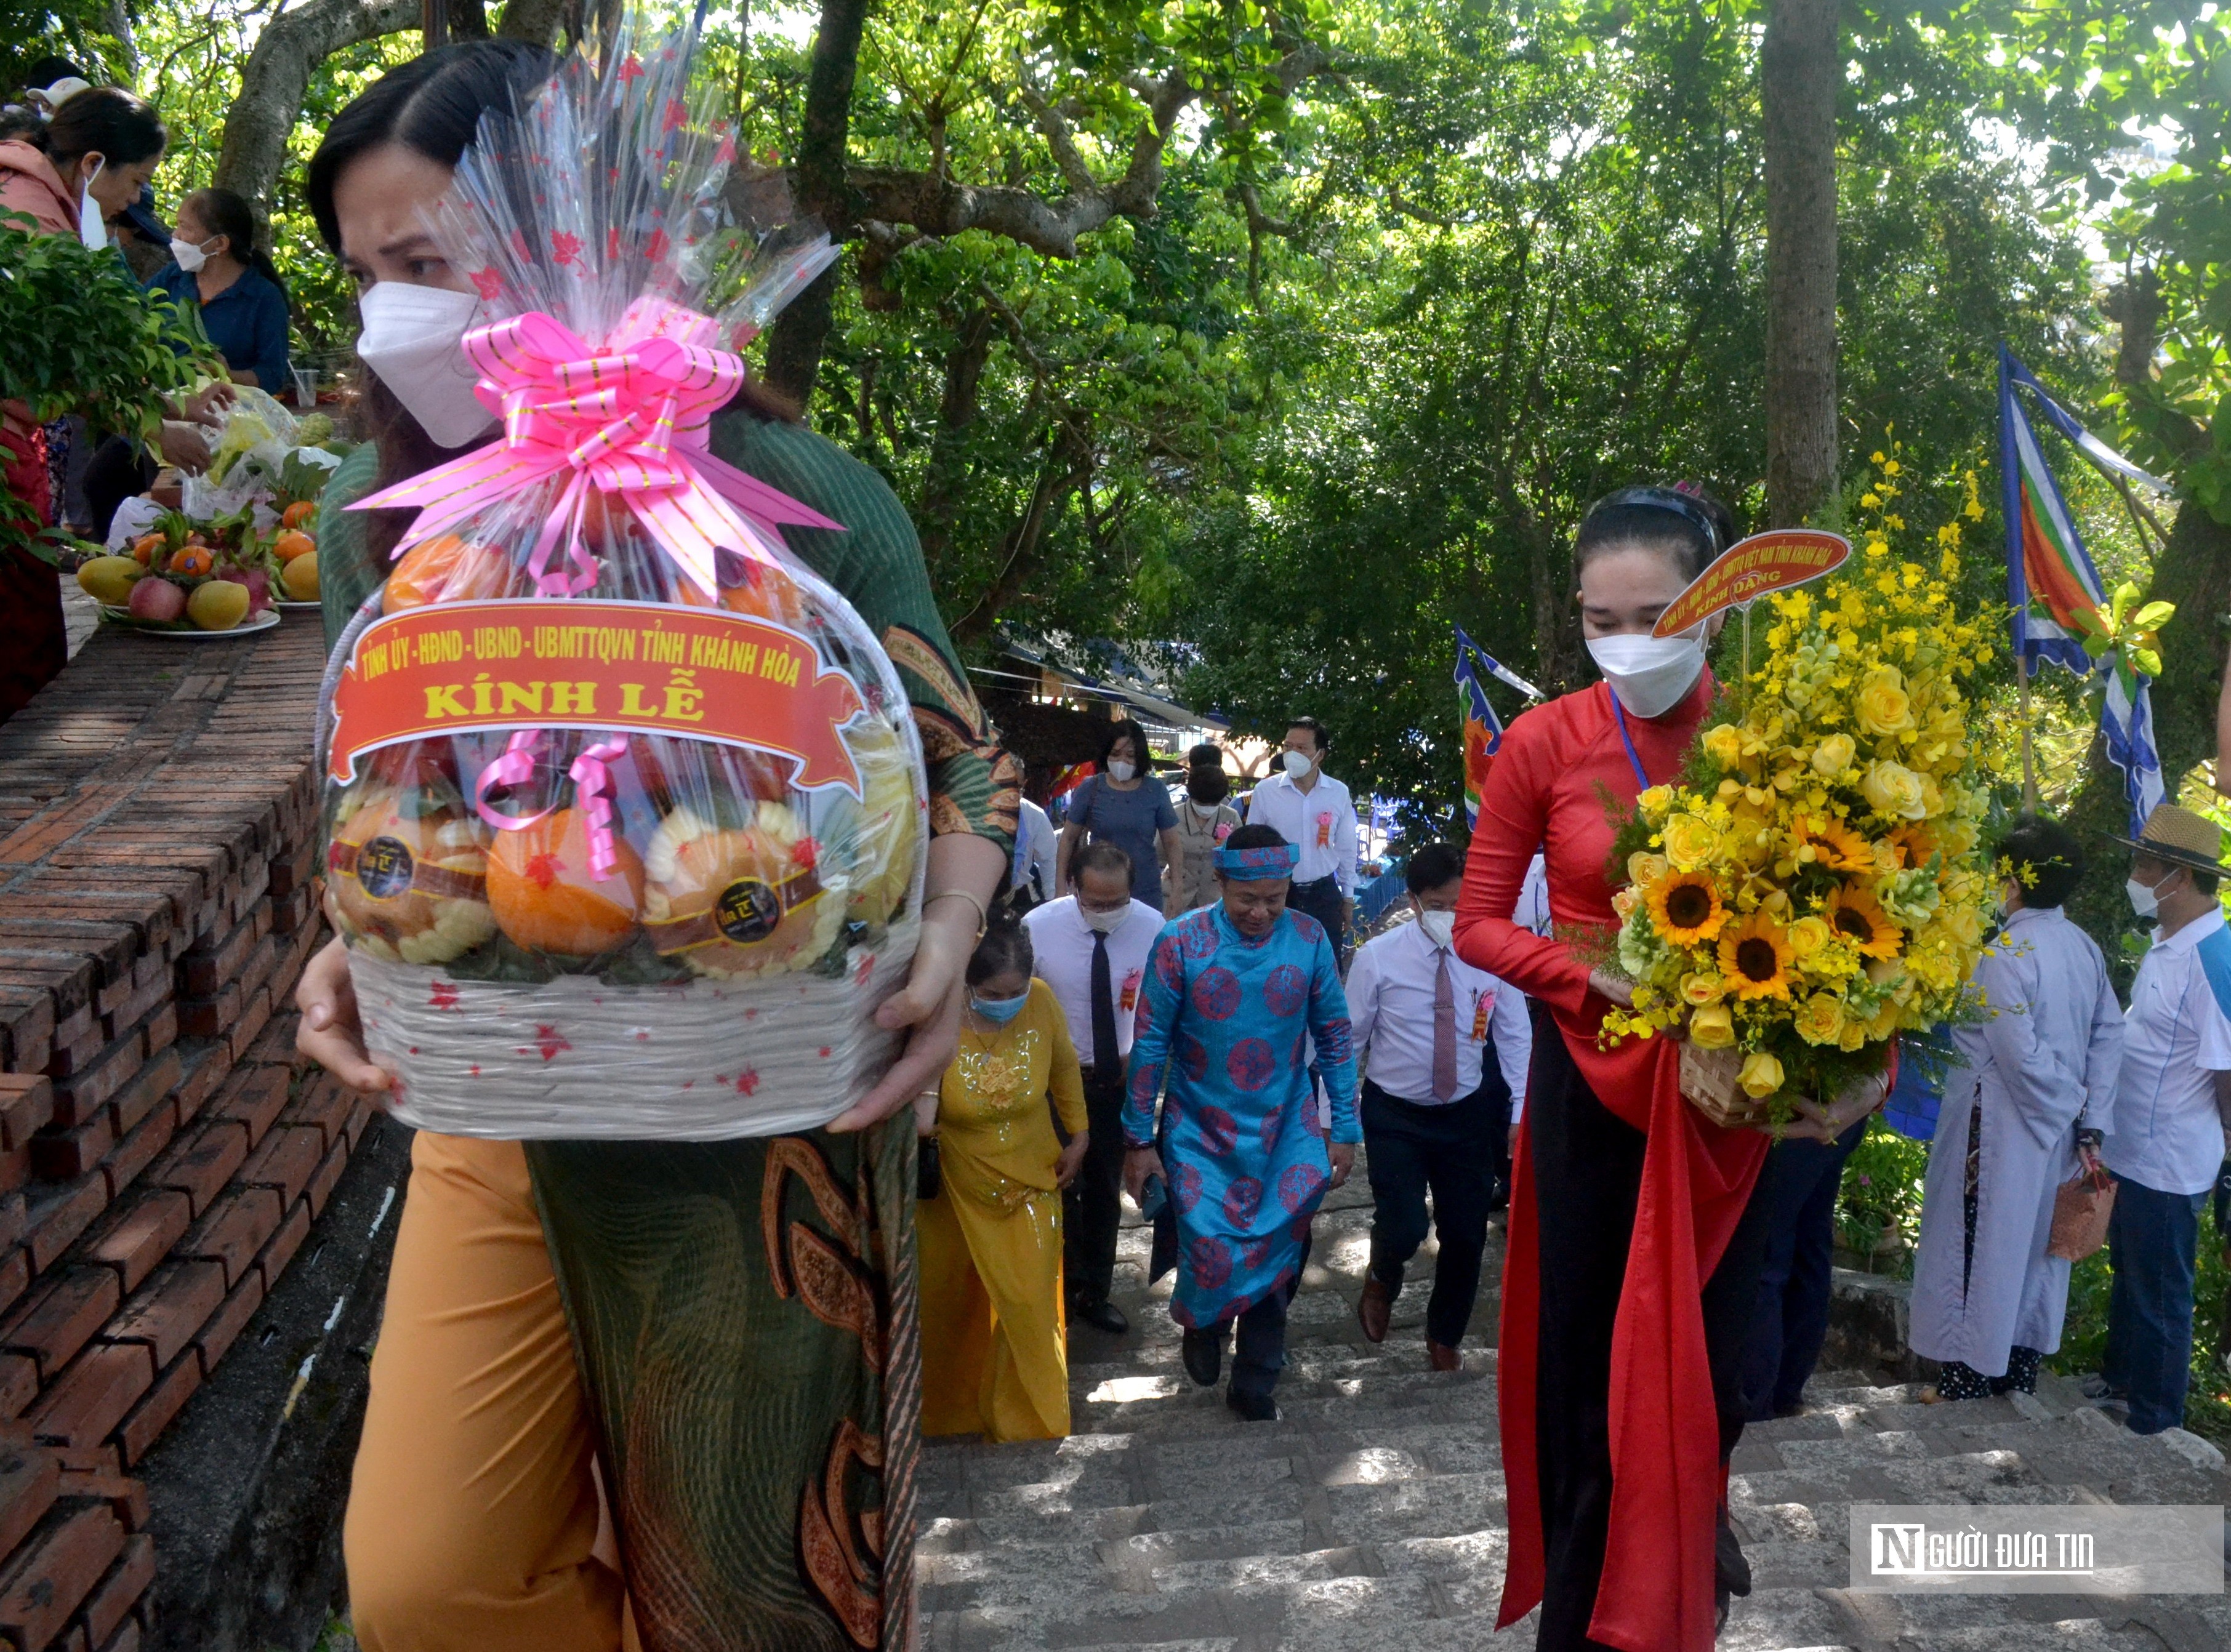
(1372, 1516)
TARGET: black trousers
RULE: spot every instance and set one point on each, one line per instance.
(1092, 1206)
(118, 470)
(1588, 1173)
(1321, 900)
(1412, 1148)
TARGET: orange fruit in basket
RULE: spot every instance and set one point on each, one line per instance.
(448, 569)
(760, 591)
(293, 543)
(546, 898)
(299, 512)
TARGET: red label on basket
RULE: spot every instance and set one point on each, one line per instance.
(632, 667)
(1774, 560)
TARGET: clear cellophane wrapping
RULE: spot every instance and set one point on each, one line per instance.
(585, 931)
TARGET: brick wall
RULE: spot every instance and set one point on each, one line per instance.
(163, 1154)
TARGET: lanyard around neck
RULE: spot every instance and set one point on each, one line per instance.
(1619, 716)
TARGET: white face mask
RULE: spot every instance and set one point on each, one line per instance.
(92, 222)
(412, 338)
(188, 256)
(1650, 674)
(2143, 899)
(1118, 770)
(1103, 923)
(1297, 764)
(1439, 927)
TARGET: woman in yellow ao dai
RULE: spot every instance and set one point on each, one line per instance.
(992, 1353)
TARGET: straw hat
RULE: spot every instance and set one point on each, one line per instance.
(2181, 838)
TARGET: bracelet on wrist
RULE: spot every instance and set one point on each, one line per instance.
(983, 911)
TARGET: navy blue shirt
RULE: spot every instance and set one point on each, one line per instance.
(247, 322)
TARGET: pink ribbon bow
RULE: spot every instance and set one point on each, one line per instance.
(626, 418)
(591, 776)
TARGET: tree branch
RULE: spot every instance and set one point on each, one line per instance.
(277, 77)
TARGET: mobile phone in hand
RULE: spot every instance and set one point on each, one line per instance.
(1152, 1198)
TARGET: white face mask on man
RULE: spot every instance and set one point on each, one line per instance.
(413, 337)
(1298, 765)
(1439, 927)
(2145, 898)
(1103, 923)
(1650, 674)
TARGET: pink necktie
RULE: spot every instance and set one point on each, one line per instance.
(1445, 1032)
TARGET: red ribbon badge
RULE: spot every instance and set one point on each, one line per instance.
(621, 668)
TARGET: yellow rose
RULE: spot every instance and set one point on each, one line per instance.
(1834, 755)
(1854, 1035)
(1724, 744)
(1691, 842)
(1654, 803)
(1703, 988)
(1893, 788)
(1644, 868)
(1626, 901)
(1712, 1027)
(1760, 1076)
(1808, 935)
(1885, 1021)
(1820, 1019)
(1882, 705)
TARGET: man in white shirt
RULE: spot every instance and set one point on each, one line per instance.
(1031, 876)
(2166, 1135)
(1091, 949)
(1313, 811)
(1435, 1109)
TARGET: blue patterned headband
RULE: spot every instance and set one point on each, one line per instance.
(1247, 865)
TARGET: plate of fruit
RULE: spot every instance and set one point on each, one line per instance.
(189, 578)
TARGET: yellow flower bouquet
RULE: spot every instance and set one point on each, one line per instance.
(1813, 884)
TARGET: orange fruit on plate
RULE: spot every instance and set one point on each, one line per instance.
(293, 543)
(448, 569)
(299, 512)
(145, 546)
(193, 562)
(547, 899)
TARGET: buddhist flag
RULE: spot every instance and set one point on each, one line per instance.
(1483, 729)
(2051, 578)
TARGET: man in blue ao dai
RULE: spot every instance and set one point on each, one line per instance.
(1235, 995)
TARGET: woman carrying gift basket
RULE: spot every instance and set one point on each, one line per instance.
(1630, 1275)
(661, 824)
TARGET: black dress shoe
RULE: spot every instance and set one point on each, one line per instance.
(1252, 1408)
(1204, 1355)
(1103, 1315)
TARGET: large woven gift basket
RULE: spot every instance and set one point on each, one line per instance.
(624, 804)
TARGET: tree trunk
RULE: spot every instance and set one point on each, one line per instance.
(532, 20)
(272, 85)
(948, 477)
(1798, 81)
(794, 355)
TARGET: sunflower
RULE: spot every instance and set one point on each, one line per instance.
(1755, 958)
(1834, 845)
(1686, 908)
(1913, 844)
(1861, 923)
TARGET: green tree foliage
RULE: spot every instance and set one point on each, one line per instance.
(1548, 251)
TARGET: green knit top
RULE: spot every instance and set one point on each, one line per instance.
(877, 565)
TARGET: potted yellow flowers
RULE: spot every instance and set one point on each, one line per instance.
(1812, 885)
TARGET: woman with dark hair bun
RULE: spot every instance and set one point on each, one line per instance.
(1627, 1286)
(217, 267)
(727, 1328)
